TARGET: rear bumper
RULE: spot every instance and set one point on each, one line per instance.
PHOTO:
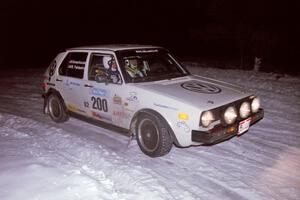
(220, 133)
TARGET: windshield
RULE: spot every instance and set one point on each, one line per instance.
(149, 65)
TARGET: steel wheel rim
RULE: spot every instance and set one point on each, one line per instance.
(148, 135)
(54, 108)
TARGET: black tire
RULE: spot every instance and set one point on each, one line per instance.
(152, 135)
(57, 109)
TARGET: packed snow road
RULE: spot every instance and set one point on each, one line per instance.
(40, 159)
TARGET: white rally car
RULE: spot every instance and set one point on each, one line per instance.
(146, 91)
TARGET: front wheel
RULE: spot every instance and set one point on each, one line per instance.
(152, 135)
(57, 109)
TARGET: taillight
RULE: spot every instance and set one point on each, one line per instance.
(44, 84)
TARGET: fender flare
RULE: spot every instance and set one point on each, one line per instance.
(46, 95)
(155, 113)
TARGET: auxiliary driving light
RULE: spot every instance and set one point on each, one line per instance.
(230, 115)
(255, 105)
(245, 110)
(206, 118)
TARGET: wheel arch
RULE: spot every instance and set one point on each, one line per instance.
(133, 123)
(57, 93)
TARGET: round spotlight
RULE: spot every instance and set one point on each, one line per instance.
(245, 110)
(230, 115)
(255, 105)
(206, 118)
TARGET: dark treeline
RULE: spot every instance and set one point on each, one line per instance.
(217, 29)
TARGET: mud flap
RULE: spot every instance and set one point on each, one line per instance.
(131, 137)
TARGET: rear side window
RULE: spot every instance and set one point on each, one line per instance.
(73, 65)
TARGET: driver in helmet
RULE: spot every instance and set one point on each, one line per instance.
(131, 66)
(111, 67)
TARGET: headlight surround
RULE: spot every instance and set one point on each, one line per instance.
(207, 118)
(230, 115)
(245, 109)
(255, 105)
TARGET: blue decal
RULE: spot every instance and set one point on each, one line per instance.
(74, 83)
(165, 106)
(98, 92)
(68, 83)
(133, 97)
(183, 125)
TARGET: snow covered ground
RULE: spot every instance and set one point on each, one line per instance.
(42, 160)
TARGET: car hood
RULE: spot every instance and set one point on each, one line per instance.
(198, 91)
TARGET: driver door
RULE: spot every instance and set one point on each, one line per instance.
(103, 99)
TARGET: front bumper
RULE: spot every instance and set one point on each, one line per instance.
(220, 133)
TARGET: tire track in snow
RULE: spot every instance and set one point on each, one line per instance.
(58, 148)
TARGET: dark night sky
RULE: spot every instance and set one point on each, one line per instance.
(34, 31)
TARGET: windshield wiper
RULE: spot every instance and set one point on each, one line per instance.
(158, 77)
(172, 75)
(144, 79)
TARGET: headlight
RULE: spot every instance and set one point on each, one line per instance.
(230, 115)
(255, 105)
(206, 118)
(245, 110)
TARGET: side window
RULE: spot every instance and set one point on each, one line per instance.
(96, 66)
(73, 65)
(104, 65)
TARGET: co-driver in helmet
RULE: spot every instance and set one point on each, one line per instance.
(131, 66)
(111, 67)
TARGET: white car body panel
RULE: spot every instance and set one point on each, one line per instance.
(205, 101)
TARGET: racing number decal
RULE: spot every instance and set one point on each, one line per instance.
(99, 104)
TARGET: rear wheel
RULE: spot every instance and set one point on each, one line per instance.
(57, 109)
(152, 135)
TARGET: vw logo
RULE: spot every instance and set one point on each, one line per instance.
(200, 87)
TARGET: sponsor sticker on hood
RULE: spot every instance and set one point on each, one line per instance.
(201, 87)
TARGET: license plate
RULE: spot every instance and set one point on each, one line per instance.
(244, 126)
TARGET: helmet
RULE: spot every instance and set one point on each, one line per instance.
(107, 61)
(133, 63)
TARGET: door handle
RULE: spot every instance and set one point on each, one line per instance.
(86, 85)
(59, 79)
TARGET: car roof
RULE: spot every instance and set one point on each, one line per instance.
(115, 47)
